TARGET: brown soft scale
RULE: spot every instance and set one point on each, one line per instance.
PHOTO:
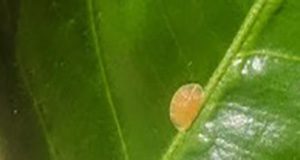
(185, 105)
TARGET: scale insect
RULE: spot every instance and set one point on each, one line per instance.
(185, 105)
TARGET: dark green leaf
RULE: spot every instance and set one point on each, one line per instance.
(100, 74)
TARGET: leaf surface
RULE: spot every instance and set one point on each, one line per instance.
(252, 105)
(100, 74)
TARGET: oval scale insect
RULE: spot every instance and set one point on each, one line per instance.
(185, 105)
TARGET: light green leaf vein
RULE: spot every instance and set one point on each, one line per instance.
(269, 53)
(41, 118)
(104, 77)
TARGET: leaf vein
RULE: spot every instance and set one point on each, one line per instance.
(42, 120)
(270, 53)
(104, 78)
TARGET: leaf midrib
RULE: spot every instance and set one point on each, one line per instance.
(103, 76)
(247, 29)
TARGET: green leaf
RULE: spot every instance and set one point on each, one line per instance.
(100, 74)
(252, 105)
(77, 63)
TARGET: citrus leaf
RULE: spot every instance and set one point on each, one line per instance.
(100, 74)
(252, 105)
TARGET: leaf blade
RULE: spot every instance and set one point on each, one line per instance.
(58, 56)
(245, 118)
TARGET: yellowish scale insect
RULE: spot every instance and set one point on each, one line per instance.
(185, 105)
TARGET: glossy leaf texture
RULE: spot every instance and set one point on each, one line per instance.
(100, 74)
(252, 111)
